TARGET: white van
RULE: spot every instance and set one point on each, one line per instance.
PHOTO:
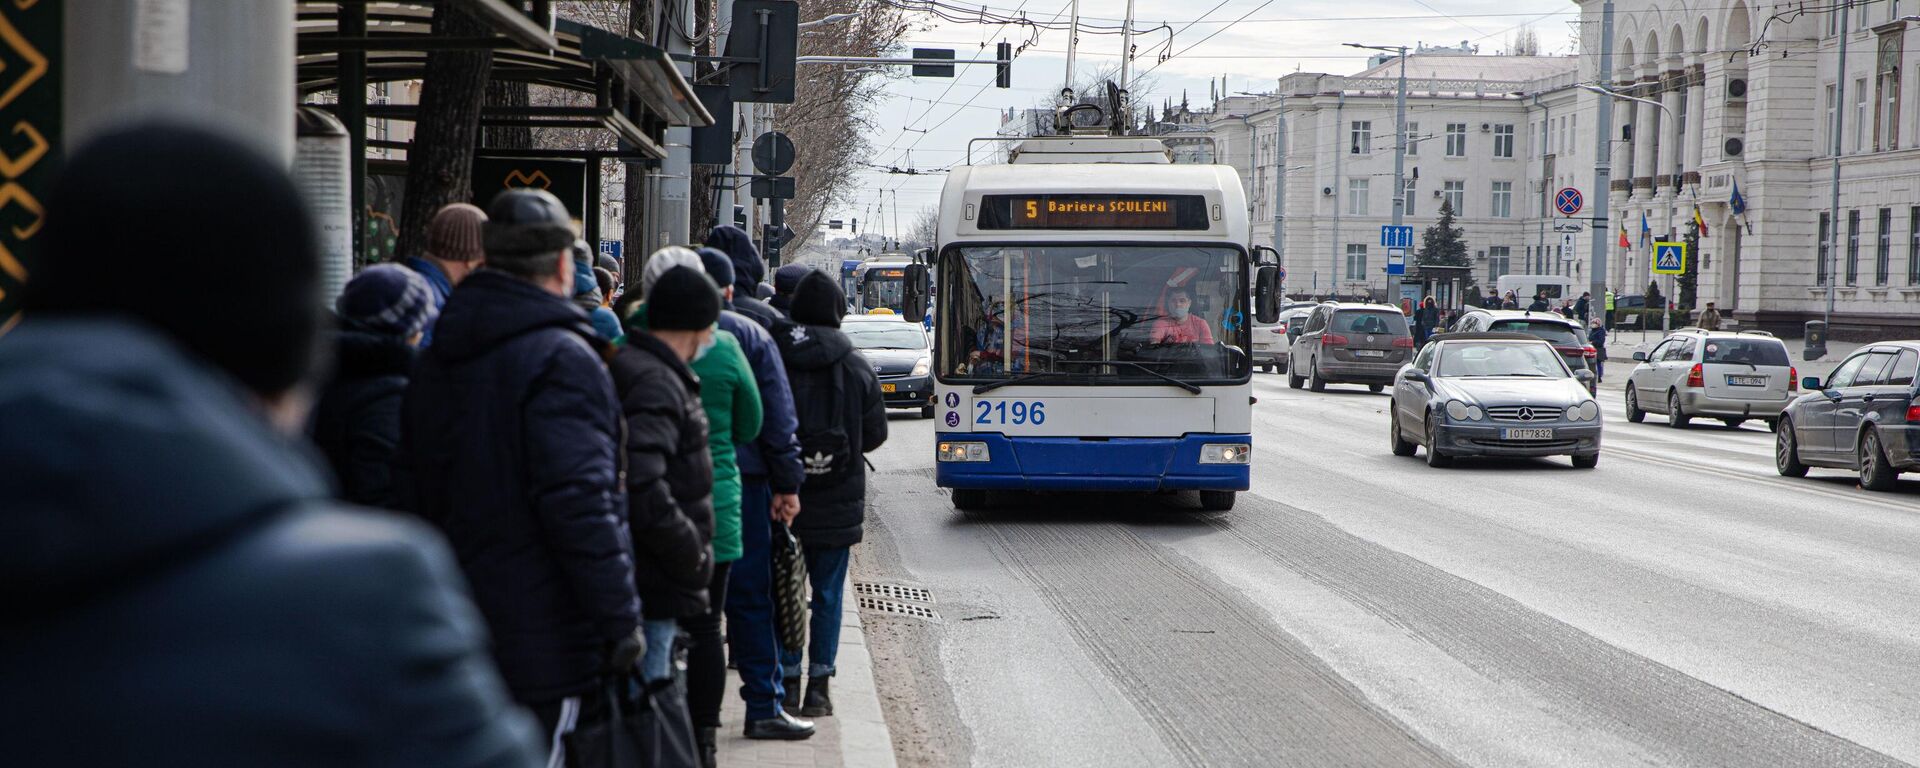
(1525, 287)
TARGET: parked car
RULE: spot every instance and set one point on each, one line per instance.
(1349, 343)
(1728, 375)
(1566, 335)
(1493, 394)
(1862, 418)
(900, 355)
(1270, 342)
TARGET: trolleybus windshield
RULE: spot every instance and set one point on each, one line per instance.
(884, 287)
(1094, 314)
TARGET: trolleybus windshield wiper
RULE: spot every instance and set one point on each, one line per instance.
(993, 385)
(1139, 366)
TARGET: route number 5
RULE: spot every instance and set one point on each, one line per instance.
(1033, 210)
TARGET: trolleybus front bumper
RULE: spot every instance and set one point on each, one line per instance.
(1093, 463)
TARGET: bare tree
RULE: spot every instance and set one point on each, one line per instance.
(440, 165)
(829, 120)
(925, 229)
(1525, 42)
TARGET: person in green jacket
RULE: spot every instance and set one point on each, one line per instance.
(731, 398)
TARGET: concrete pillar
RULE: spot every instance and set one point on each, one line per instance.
(1646, 125)
(1670, 142)
(1696, 124)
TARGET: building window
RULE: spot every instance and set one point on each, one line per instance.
(1820, 263)
(1357, 197)
(1502, 200)
(1413, 139)
(1499, 263)
(1453, 194)
(1886, 105)
(1361, 137)
(1853, 247)
(1913, 245)
(1827, 142)
(1456, 139)
(1860, 115)
(1883, 252)
(1409, 196)
(1356, 261)
(1503, 140)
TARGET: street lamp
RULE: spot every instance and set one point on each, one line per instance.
(1666, 318)
(1399, 149)
(828, 19)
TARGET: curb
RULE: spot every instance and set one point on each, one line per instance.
(865, 741)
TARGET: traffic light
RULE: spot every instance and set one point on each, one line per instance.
(740, 216)
(856, 227)
(1003, 75)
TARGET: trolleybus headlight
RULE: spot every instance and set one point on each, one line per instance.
(963, 452)
(1226, 453)
(1459, 411)
(921, 368)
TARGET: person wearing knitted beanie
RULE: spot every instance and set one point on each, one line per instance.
(356, 423)
(453, 251)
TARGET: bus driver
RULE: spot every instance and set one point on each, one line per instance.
(1180, 325)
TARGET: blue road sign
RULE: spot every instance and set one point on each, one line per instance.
(1669, 258)
(1396, 261)
(1396, 237)
(612, 248)
(1568, 201)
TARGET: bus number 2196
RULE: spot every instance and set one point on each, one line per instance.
(1009, 412)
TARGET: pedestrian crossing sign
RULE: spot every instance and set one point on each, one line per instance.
(1669, 258)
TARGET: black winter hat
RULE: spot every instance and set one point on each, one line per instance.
(683, 299)
(191, 232)
(818, 301)
(524, 223)
(719, 265)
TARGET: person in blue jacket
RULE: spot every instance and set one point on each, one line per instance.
(176, 586)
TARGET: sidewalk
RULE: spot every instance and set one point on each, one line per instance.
(854, 737)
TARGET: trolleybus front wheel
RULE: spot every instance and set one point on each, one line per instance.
(969, 498)
(1216, 501)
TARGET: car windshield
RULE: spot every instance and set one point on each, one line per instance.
(1040, 309)
(1370, 322)
(1747, 352)
(1501, 359)
(1559, 334)
(884, 336)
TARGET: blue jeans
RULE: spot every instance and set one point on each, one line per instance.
(657, 664)
(827, 576)
(752, 640)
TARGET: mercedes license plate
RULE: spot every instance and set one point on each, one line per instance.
(889, 388)
(1368, 353)
(1746, 381)
(1526, 434)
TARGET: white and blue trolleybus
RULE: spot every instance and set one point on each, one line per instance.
(1092, 332)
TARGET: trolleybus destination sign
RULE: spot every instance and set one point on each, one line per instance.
(1093, 212)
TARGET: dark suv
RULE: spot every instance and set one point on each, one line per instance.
(1566, 336)
(1357, 343)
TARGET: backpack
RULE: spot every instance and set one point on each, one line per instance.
(826, 451)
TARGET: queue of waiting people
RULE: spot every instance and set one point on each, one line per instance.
(585, 488)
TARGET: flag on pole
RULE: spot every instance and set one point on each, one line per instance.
(1698, 221)
(1624, 243)
(1738, 203)
(1646, 232)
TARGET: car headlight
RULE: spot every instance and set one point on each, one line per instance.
(921, 368)
(1587, 411)
(1459, 411)
(1226, 453)
(959, 451)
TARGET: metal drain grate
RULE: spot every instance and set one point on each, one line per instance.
(893, 591)
(896, 607)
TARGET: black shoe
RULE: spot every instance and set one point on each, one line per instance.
(817, 703)
(791, 702)
(781, 726)
(705, 741)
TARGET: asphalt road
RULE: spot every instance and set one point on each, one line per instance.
(1679, 605)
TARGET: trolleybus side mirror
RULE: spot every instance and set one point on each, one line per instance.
(1266, 295)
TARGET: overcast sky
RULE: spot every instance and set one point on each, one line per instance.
(925, 123)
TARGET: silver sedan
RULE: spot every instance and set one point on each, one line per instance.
(1493, 394)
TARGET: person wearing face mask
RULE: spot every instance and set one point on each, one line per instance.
(669, 469)
(1180, 325)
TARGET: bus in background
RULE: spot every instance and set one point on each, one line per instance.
(847, 268)
(897, 282)
(1093, 328)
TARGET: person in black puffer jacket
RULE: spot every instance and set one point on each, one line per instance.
(356, 424)
(669, 471)
(828, 375)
